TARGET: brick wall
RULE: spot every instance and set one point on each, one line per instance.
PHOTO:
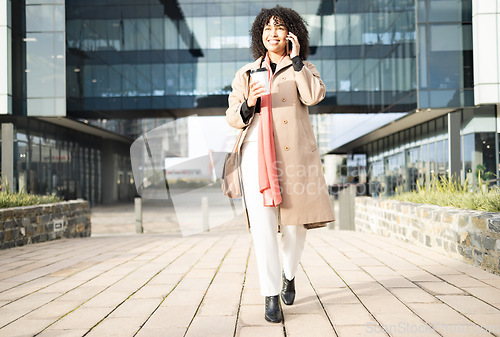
(470, 236)
(31, 224)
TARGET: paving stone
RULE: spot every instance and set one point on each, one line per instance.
(53, 310)
(440, 288)
(153, 291)
(438, 313)
(5, 285)
(106, 299)
(201, 273)
(445, 320)
(252, 315)
(136, 307)
(403, 324)
(489, 322)
(462, 281)
(323, 277)
(381, 271)
(366, 262)
(390, 281)
(81, 318)
(257, 331)
(251, 296)
(493, 282)
(487, 294)
(229, 278)
(116, 326)
(162, 332)
(82, 293)
(419, 276)
(189, 284)
(349, 314)
(303, 306)
(308, 325)
(226, 305)
(166, 277)
(17, 309)
(440, 270)
(184, 297)
(24, 327)
(413, 295)
(383, 304)
(468, 304)
(212, 326)
(171, 317)
(336, 295)
(349, 276)
(368, 288)
(62, 333)
(360, 330)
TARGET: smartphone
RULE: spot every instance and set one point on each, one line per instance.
(289, 47)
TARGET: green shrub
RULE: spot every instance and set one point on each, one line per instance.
(449, 192)
(8, 199)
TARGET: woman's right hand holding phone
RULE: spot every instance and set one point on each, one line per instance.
(256, 90)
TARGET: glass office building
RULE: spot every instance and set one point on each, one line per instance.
(174, 58)
(453, 131)
(87, 77)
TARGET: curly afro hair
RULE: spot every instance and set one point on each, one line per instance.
(287, 16)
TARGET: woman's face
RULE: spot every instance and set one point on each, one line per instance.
(274, 36)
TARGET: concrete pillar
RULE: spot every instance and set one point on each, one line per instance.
(109, 186)
(204, 209)
(455, 162)
(346, 208)
(7, 157)
(138, 215)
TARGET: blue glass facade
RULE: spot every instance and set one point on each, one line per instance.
(445, 73)
(140, 58)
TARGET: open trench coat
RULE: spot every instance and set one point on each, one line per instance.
(302, 182)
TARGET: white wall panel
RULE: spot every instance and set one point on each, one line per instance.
(485, 6)
(486, 36)
(5, 62)
(3, 12)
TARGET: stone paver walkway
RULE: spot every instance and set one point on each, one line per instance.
(349, 284)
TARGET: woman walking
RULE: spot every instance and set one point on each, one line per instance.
(283, 183)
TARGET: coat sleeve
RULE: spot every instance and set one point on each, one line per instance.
(236, 98)
(309, 85)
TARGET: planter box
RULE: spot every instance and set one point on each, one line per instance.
(470, 236)
(31, 224)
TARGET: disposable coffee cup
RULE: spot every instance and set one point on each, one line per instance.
(260, 75)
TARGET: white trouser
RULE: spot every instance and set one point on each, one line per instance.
(264, 225)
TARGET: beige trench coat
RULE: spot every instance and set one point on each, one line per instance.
(302, 182)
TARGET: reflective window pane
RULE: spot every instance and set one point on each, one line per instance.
(40, 67)
(445, 10)
(41, 18)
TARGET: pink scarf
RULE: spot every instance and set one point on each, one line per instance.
(268, 173)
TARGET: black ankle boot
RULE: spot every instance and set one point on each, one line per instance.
(273, 309)
(288, 291)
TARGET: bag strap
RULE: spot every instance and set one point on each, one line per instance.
(236, 144)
